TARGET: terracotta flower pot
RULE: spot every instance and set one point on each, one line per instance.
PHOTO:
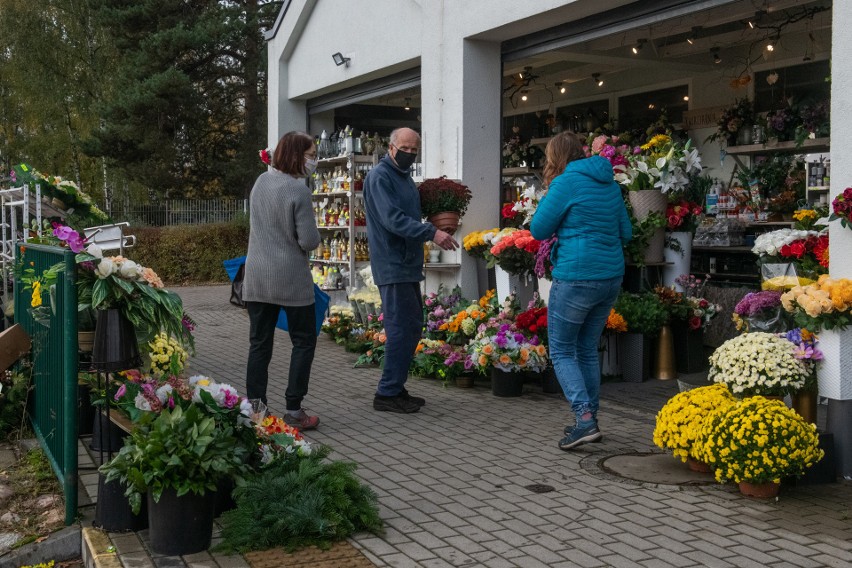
(759, 490)
(698, 466)
(447, 221)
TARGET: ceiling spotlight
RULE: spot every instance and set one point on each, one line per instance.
(407, 103)
(597, 78)
(558, 85)
(753, 22)
(638, 47)
(340, 60)
(715, 52)
(524, 95)
(693, 36)
(770, 46)
(651, 106)
(686, 97)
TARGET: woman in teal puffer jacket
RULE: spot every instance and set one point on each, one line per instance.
(585, 210)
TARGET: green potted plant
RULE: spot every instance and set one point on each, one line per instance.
(443, 202)
(177, 458)
(645, 316)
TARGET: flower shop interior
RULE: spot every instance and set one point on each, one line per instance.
(732, 95)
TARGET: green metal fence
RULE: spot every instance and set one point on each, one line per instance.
(53, 401)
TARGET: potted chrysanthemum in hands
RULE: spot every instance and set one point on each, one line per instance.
(443, 202)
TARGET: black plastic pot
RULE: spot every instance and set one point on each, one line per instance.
(507, 383)
(180, 525)
(115, 347)
(688, 348)
(106, 436)
(549, 382)
(224, 499)
(85, 411)
(113, 513)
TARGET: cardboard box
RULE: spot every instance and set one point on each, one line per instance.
(14, 343)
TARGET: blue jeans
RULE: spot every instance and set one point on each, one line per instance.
(576, 316)
(402, 306)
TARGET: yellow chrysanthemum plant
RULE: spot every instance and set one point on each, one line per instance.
(167, 355)
(679, 422)
(758, 363)
(757, 440)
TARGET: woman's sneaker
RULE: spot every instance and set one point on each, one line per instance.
(579, 436)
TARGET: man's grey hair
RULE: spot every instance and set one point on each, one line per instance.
(394, 136)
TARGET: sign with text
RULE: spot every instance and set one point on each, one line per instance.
(702, 117)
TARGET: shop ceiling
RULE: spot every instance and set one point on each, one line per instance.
(730, 39)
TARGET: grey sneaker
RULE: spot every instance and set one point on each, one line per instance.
(580, 436)
(569, 428)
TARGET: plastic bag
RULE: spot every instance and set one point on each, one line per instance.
(781, 277)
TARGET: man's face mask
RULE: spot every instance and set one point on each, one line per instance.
(404, 159)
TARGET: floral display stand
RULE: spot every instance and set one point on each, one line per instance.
(688, 348)
(522, 286)
(677, 254)
(544, 288)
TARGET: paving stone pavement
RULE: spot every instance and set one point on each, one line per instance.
(452, 480)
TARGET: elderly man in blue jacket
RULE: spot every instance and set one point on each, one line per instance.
(396, 235)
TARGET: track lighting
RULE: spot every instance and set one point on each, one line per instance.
(524, 95)
(559, 86)
(693, 36)
(715, 52)
(753, 22)
(407, 103)
(638, 47)
(597, 78)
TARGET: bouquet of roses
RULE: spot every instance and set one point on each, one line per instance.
(533, 321)
(683, 215)
(611, 148)
(841, 208)
(826, 304)
(515, 252)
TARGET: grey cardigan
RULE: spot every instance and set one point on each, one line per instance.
(283, 232)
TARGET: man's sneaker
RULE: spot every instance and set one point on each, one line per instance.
(302, 421)
(398, 404)
(580, 436)
(417, 399)
(569, 428)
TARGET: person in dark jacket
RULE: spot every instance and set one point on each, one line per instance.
(277, 275)
(585, 210)
(396, 235)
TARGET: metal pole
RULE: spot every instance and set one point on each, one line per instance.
(68, 279)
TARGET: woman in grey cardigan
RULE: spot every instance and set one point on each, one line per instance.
(277, 273)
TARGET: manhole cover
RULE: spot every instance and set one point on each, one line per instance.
(539, 488)
(654, 468)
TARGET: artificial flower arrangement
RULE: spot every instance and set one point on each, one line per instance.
(439, 359)
(733, 118)
(339, 322)
(375, 353)
(611, 147)
(679, 422)
(758, 363)
(463, 324)
(760, 311)
(81, 209)
(440, 307)
(615, 322)
(521, 154)
(806, 350)
(439, 195)
(166, 354)
(500, 345)
(662, 164)
(136, 290)
(279, 441)
(697, 310)
(478, 243)
(824, 304)
(533, 321)
(841, 208)
(757, 440)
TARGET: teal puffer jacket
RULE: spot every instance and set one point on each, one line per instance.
(585, 210)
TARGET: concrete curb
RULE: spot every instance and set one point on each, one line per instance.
(63, 544)
(98, 551)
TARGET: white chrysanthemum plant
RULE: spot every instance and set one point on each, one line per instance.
(758, 364)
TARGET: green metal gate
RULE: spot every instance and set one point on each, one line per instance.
(53, 401)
